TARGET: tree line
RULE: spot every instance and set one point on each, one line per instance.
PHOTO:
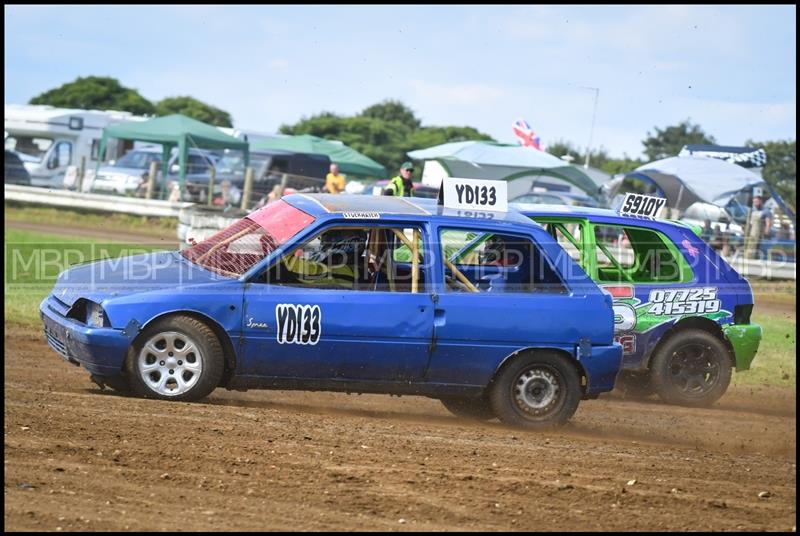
(387, 130)
(106, 93)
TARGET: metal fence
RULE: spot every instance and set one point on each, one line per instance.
(198, 221)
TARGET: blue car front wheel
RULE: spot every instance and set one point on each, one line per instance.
(175, 358)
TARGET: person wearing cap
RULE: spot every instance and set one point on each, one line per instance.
(401, 185)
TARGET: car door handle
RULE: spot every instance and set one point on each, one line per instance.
(438, 317)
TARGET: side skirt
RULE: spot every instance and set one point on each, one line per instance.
(243, 383)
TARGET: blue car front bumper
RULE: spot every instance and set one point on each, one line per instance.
(101, 351)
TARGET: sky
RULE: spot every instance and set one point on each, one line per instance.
(730, 69)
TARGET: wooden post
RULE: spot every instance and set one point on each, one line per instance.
(81, 173)
(284, 182)
(248, 187)
(212, 174)
(151, 179)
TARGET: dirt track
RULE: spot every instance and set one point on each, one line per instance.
(81, 459)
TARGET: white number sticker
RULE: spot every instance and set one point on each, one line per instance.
(683, 301)
(298, 324)
(641, 205)
(475, 194)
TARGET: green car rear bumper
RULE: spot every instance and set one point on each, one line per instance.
(745, 339)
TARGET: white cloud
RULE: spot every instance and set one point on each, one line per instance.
(731, 69)
(733, 122)
(457, 93)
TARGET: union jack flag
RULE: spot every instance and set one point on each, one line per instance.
(527, 137)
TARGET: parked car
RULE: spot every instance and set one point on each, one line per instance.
(721, 223)
(558, 198)
(682, 314)
(306, 171)
(419, 190)
(348, 293)
(129, 174)
(15, 172)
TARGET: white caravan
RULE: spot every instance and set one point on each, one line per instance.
(49, 139)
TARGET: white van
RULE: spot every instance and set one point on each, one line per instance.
(50, 139)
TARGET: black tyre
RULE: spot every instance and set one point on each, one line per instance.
(175, 358)
(634, 385)
(474, 408)
(692, 368)
(536, 390)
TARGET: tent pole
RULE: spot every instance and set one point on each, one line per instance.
(183, 150)
(166, 149)
(678, 202)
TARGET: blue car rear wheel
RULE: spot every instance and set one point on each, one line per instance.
(536, 390)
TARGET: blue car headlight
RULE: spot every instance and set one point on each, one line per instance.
(95, 316)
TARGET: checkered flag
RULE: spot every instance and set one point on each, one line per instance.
(757, 158)
(747, 157)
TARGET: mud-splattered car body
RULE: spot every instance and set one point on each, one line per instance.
(402, 324)
(664, 278)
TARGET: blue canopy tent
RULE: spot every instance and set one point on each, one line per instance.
(685, 180)
(747, 157)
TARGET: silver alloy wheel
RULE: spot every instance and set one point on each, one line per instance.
(536, 390)
(170, 363)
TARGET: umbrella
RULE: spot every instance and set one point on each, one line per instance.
(350, 161)
(491, 160)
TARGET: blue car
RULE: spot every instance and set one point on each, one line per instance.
(682, 314)
(349, 293)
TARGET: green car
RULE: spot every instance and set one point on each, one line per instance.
(682, 314)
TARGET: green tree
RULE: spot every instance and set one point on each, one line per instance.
(560, 148)
(375, 138)
(625, 164)
(195, 109)
(430, 136)
(598, 158)
(392, 110)
(781, 168)
(384, 132)
(96, 93)
(670, 141)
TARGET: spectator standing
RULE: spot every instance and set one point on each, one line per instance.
(759, 227)
(401, 185)
(334, 183)
(707, 231)
(785, 232)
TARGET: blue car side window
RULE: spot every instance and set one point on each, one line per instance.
(355, 258)
(487, 262)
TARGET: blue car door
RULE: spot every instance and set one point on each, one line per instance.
(331, 333)
(513, 305)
